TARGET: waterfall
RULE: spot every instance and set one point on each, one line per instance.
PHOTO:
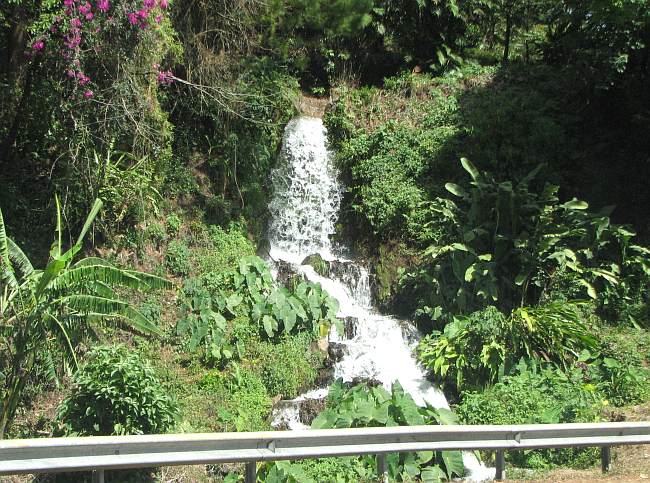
(304, 209)
(307, 194)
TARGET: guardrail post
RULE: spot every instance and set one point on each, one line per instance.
(382, 468)
(500, 465)
(605, 458)
(250, 475)
(98, 476)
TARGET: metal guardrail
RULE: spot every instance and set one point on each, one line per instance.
(102, 453)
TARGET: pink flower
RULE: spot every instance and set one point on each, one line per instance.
(89, 16)
(133, 18)
(149, 3)
(68, 3)
(143, 14)
(159, 18)
(103, 5)
(38, 46)
(73, 41)
(88, 94)
(166, 77)
(83, 79)
(75, 22)
(71, 73)
(164, 4)
(84, 9)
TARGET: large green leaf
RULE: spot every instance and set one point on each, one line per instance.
(453, 463)
(470, 168)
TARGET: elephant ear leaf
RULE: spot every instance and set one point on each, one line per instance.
(453, 463)
(432, 474)
(470, 168)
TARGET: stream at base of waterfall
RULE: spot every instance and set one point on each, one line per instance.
(304, 209)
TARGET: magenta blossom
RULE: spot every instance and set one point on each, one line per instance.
(75, 22)
(84, 9)
(164, 4)
(149, 3)
(133, 18)
(88, 94)
(165, 77)
(89, 16)
(83, 79)
(68, 3)
(159, 18)
(38, 46)
(143, 14)
(73, 41)
(103, 5)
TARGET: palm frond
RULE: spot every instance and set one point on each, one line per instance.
(103, 307)
(101, 273)
(7, 273)
(18, 257)
(89, 221)
(64, 333)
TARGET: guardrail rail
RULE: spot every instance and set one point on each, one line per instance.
(100, 453)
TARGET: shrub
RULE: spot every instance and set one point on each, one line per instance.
(250, 290)
(289, 366)
(367, 406)
(173, 223)
(536, 395)
(155, 232)
(224, 250)
(243, 402)
(473, 351)
(509, 232)
(116, 392)
(177, 258)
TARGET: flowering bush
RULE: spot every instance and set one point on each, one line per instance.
(100, 62)
(78, 32)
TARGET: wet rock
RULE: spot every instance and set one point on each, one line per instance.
(317, 262)
(287, 274)
(264, 248)
(335, 352)
(362, 380)
(309, 409)
(350, 325)
(283, 426)
(325, 376)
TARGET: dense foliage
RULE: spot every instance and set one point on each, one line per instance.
(116, 392)
(47, 313)
(373, 406)
(495, 158)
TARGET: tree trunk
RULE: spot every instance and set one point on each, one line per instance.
(506, 40)
(22, 366)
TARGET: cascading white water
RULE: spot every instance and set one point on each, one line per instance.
(307, 194)
(304, 210)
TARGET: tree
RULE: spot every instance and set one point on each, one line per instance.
(45, 314)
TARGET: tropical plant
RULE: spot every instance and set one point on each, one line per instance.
(204, 327)
(276, 309)
(477, 350)
(116, 392)
(537, 393)
(509, 245)
(45, 314)
(367, 406)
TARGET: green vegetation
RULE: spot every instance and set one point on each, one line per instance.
(116, 392)
(367, 406)
(47, 313)
(494, 155)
